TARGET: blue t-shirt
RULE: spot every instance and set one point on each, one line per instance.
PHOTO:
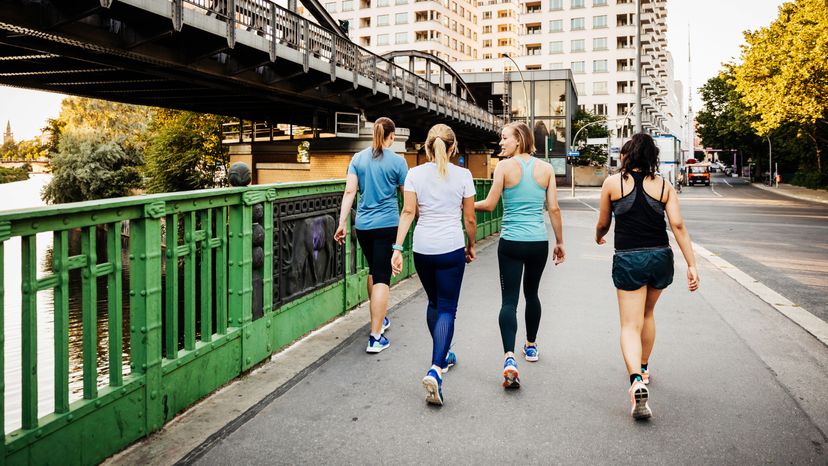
(379, 180)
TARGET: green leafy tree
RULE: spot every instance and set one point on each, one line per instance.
(123, 124)
(54, 128)
(185, 152)
(590, 154)
(87, 167)
(783, 77)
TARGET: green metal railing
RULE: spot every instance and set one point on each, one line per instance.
(190, 313)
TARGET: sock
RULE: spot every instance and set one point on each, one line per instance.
(634, 377)
(644, 367)
(376, 336)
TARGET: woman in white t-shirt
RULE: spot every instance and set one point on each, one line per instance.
(440, 192)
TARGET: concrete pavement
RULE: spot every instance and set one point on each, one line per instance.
(734, 382)
(797, 192)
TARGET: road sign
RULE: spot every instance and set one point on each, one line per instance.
(573, 153)
(615, 150)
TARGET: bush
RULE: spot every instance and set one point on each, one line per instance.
(813, 180)
(8, 175)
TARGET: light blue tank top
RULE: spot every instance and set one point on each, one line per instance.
(523, 208)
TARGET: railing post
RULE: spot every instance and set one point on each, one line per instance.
(333, 57)
(267, 280)
(305, 29)
(240, 273)
(145, 310)
(231, 23)
(273, 54)
(177, 7)
(5, 233)
(373, 74)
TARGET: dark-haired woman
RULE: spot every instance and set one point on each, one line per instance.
(642, 266)
(377, 173)
(526, 184)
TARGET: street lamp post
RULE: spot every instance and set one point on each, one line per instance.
(638, 123)
(531, 111)
(770, 162)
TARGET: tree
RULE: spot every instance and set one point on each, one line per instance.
(185, 152)
(725, 122)
(87, 166)
(783, 77)
(54, 128)
(590, 154)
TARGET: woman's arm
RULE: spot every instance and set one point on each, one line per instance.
(489, 204)
(351, 185)
(406, 217)
(558, 253)
(470, 222)
(604, 211)
(682, 237)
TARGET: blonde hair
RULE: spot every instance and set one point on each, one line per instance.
(382, 128)
(440, 146)
(526, 140)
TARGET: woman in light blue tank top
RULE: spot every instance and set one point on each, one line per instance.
(526, 184)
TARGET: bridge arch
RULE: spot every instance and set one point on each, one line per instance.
(456, 79)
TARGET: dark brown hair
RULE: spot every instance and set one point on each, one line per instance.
(382, 128)
(640, 153)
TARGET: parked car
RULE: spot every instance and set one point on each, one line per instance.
(698, 173)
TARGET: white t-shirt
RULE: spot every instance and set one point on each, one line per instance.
(440, 203)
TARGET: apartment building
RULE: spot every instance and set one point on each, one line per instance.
(448, 29)
(595, 39)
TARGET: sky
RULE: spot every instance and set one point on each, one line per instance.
(715, 33)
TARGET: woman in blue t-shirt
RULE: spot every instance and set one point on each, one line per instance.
(377, 173)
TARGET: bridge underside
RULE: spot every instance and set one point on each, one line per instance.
(128, 54)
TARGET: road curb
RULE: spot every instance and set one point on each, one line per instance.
(809, 322)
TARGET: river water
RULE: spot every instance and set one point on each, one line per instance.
(25, 194)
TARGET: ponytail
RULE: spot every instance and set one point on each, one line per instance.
(383, 127)
(441, 145)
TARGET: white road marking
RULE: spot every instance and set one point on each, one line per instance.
(584, 203)
(727, 182)
(714, 190)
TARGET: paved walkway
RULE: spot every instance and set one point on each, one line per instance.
(734, 382)
(797, 192)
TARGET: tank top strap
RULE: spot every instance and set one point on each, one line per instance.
(526, 168)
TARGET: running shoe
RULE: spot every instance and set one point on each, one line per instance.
(645, 376)
(510, 373)
(375, 345)
(386, 322)
(639, 394)
(451, 359)
(530, 352)
(433, 383)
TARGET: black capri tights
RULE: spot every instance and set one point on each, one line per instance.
(376, 245)
(513, 258)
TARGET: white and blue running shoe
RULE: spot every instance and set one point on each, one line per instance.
(451, 360)
(386, 322)
(531, 352)
(510, 373)
(375, 345)
(433, 383)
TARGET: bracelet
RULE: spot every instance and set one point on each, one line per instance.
(397, 247)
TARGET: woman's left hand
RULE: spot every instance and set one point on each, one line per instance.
(396, 263)
(558, 254)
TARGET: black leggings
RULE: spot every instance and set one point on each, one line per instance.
(513, 257)
(376, 245)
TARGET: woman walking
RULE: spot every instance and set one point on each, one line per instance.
(642, 266)
(439, 191)
(525, 183)
(377, 173)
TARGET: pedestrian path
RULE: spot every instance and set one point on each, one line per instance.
(733, 382)
(797, 192)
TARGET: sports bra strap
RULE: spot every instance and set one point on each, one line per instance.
(661, 196)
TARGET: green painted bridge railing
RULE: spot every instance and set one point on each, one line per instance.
(177, 294)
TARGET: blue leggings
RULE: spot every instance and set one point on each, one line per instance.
(441, 276)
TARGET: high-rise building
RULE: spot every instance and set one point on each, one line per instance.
(596, 39)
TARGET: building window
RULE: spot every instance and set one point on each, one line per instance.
(487, 43)
(599, 88)
(599, 22)
(599, 2)
(577, 67)
(581, 87)
(487, 56)
(487, 29)
(577, 45)
(599, 66)
(577, 24)
(348, 5)
(556, 66)
(533, 67)
(534, 49)
(576, 4)
(382, 39)
(555, 5)
(599, 109)
(382, 20)
(401, 18)
(382, 2)
(401, 38)
(556, 25)
(599, 43)
(556, 46)
(331, 7)
(487, 15)
(401, 2)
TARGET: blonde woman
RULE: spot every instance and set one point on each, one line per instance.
(377, 173)
(526, 184)
(642, 266)
(440, 192)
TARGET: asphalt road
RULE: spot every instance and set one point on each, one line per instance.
(734, 382)
(780, 241)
